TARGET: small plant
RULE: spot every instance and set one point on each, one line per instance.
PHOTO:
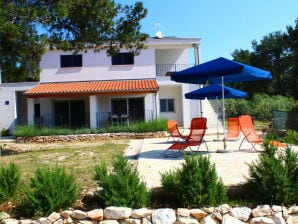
(49, 190)
(274, 178)
(9, 181)
(122, 186)
(291, 137)
(195, 184)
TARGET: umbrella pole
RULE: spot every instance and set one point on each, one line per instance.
(223, 111)
(217, 118)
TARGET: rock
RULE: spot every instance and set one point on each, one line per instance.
(4, 215)
(59, 221)
(145, 221)
(87, 222)
(163, 216)
(183, 212)
(217, 215)
(224, 208)
(109, 222)
(54, 217)
(44, 221)
(187, 221)
(292, 219)
(276, 208)
(241, 213)
(262, 210)
(231, 220)
(209, 220)
(28, 221)
(96, 214)
(140, 213)
(261, 220)
(293, 209)
(285, 212)
(66, 214)
(10, 221)
(131, 221)
(198, 213)
(278, 218)
(78, 214)
(117, 212)
(208, 210)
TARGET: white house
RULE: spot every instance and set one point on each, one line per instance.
(91, 89)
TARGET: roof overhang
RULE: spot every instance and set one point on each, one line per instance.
(75, 89)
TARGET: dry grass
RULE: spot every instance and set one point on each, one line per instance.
(81, 157)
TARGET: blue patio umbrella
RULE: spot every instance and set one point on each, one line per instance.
(221, 70)
(214, 91)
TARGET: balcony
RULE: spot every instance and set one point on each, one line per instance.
(169, 69)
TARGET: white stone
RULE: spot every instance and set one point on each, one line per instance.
(183, 212)
(95, 214)
(293, 209)
(183, 220)
(276, 208)
(278, 218)
(54, 217)
(198, 213)
(4, 215)
(44, 220)
(262, 210)
(9, 221)
(163, 216)
(140, 213)
(217, 215)
(285, 212)
(66, 214)
(145, 221)
(117, 212)
(224, 208)
(208, 209)
(109, 222)
(209, 220)
(59, 221)
(27, 221)
(261, 220)
(87, 222)
(231, 220)
(241, 213)
(78, 214)
(292, 219)
(131, 221)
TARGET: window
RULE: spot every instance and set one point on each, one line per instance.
(167, 105)
(123, 59)
(74, 60)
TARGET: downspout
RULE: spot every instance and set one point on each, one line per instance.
(197, 61)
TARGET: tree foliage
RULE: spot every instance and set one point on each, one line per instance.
(278, 53)
(27, 27)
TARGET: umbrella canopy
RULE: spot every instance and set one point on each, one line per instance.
(214, 70)
(221, 70)
(214, 91)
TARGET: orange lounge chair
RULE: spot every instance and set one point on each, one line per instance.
(249, 132)
(195, 137)
(174, 131)
(233, 128)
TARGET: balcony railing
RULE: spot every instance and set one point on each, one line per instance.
(77, 121)
(168, 69)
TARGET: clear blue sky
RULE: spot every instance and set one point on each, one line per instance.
(223, 25)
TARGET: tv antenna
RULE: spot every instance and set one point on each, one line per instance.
(158, 33)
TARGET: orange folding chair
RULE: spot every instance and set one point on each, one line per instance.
(249, 132)
(195, 137)
(174, 131)
(233, 128)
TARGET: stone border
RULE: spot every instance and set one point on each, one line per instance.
(90, 137)
(262, 214)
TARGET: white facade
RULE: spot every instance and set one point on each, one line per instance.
(158, 61)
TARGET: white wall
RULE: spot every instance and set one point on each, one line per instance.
(172, 56)
(8, 104)
(97, 66)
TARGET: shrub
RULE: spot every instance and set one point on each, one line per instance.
(195, 184)
(291, 137)
(9, 181)
(122, 186)
(274, 178)
(49, 190)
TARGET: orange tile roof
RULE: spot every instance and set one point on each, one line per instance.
(93, 88)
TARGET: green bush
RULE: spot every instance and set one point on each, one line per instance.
(122, 186)
(236, 107)
(274, 178)
(9, 181)
(195, 184)
(51, 189)
(291, 137)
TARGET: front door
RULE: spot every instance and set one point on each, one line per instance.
(136, 108)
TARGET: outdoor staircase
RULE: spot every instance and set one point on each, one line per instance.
(213, 120)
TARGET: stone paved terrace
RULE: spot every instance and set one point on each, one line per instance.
(231, 167)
